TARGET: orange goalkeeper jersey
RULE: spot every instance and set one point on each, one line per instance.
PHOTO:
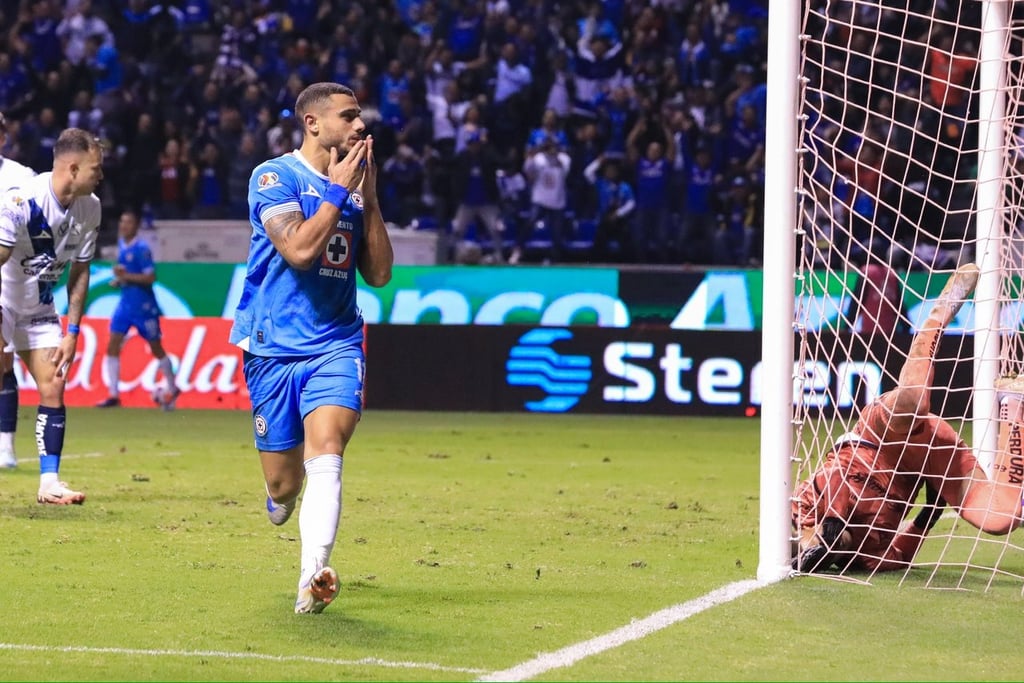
(872, 477)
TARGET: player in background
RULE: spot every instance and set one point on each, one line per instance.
(135, 274)
(47, 224)
(12, 174)
(316, 219)
(850, 512)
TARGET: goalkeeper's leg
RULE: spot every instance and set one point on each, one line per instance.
(910, 400)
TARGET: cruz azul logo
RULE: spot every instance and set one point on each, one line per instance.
(534, 363)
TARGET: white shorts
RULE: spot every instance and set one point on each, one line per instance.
(38, 328)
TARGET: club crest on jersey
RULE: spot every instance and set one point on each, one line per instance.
(357, 199)
(337, 257)
(259, 423)
(267, 180)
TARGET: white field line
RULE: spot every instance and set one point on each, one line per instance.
(66, 456)
(638, 628)
(214, 654)
(94, 454)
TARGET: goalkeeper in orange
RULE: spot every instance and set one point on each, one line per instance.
(850, 512)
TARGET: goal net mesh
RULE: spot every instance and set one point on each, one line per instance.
(890, 108)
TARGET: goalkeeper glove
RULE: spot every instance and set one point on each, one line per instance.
(820, 557)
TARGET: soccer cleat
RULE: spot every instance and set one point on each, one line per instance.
(8, 460)
(111, 402)
(279, 513)
(60, 494)
(167, 399)
(318, 593)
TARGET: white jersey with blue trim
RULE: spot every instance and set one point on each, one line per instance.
(13, 174)
(43, 237)
(284, 311)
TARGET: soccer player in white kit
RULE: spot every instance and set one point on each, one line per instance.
(47, 225)
(12, 174)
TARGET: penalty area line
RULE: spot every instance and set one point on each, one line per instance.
(635, 630)
(210, 654)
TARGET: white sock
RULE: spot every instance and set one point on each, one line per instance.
(7, 441)
(167, 368)
(319, 512)
(48, 479)
(112, 364)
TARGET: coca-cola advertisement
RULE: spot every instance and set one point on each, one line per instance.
(209, 368)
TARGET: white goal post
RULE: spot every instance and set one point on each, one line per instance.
(895, 142)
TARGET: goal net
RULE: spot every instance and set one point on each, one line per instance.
(909, 163)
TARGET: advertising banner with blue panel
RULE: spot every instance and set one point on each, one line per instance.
(641, 370)
(554, 296)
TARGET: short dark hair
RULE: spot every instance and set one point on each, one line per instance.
(317, 94)
(75, 141)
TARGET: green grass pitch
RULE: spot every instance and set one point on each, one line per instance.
(469, 544)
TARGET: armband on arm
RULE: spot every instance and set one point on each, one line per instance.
(336, 194)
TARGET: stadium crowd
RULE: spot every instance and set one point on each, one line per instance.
(546, 130)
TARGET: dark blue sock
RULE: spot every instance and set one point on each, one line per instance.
(50, 437)
(8, 402)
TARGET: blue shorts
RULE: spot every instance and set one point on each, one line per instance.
(145, 320)
(283, 391)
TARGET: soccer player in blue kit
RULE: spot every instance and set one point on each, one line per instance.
(316, 219)
(135, 274)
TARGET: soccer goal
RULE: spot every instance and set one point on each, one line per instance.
(895, 153)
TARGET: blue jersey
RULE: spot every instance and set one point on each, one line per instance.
(137, 259)
(284, 311)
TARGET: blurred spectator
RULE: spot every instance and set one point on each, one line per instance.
(475, 181)
(745, 146)
(600, 68)
(79, 24)
(738, 226)
(104, 64)
(142, 159)
(559, 92)
(547, 172)
(40, 136)
(430, 75)
(615, 204)
(694, 60)
(175, 179)
(249, 154)
(616, 116)
(402, 177)
(550, 127)
(85, 114)
(879, 302)
(285, 136)
(584, 149)
(653, 243)
(209, 189)
(389, 92)
(15, 87)
(39, 32)
(511, 94)
(699, 222)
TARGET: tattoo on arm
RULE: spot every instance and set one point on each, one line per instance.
(282, 228)
(78, 289)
